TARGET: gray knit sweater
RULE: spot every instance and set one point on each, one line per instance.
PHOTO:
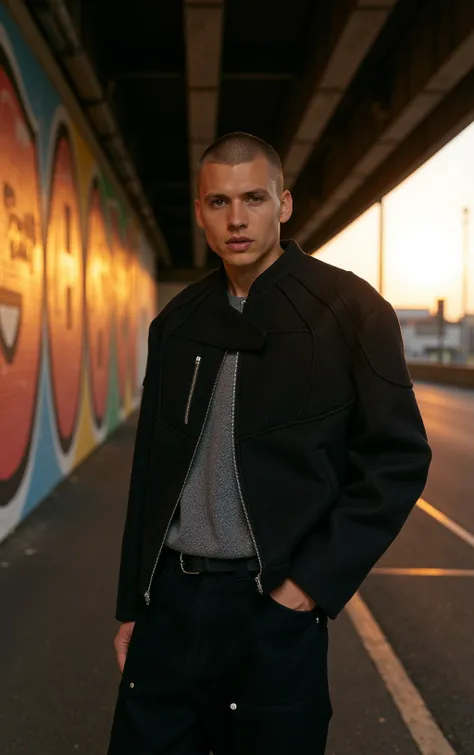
(210, 519)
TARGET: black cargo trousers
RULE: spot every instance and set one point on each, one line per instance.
(215, 666)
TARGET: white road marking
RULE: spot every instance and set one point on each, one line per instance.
(422, 572)
(419, 721)
(468, 537)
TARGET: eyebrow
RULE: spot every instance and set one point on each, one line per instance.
(249, 193)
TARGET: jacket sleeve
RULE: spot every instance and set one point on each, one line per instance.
(129, 600)
(387, 462)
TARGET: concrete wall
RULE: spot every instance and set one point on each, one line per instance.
(167, 291)
(76, 287)
(447, 374)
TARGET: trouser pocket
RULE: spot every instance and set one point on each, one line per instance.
(283, 657)
(279, 700)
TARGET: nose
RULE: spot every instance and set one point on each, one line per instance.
(237, 219)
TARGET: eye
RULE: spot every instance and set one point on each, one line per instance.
(255, 199)
(217, 203)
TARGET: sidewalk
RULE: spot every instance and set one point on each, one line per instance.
(58, 576)
(59, 679)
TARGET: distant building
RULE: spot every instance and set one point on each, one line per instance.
(423, 342)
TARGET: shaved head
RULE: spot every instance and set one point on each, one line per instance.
(240, 147)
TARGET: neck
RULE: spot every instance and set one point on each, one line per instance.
(240, 279)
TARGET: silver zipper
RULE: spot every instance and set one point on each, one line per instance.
(258, 577)
(147, 594)
(197, 364)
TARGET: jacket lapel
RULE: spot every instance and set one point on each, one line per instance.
(212, 320)
(217, 323)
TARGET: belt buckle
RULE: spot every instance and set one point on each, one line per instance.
(182, 566)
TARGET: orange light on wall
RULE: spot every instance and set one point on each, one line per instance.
(65, 289)
(99, 298)
(21, 282)
(122, 299)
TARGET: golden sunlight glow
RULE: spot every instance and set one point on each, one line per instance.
(423, 259)
(424, 234)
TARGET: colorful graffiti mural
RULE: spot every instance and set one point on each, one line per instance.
(76, 289)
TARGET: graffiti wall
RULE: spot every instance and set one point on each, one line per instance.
(76, 290)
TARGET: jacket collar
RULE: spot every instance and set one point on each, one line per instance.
(216, 322)
(291, 254)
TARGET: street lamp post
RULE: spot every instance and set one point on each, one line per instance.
(465, 283)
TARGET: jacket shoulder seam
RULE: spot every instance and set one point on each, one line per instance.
(343, 311)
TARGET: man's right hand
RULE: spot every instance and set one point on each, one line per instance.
(122, 641)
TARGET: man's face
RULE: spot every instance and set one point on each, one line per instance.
(240, 209)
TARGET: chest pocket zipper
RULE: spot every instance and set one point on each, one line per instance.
(197, 364)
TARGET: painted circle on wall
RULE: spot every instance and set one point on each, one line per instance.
(65, 289)
(99, 297)
(122, 299)
(21, 282)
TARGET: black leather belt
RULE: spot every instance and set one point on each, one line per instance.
(195, 564)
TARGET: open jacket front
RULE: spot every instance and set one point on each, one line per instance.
(330, 449)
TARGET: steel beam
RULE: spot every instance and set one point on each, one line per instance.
(350, 30)
(451, 116)
(204, 32)
(437, 54)
(156, 75)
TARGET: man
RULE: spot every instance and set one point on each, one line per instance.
(279, 451)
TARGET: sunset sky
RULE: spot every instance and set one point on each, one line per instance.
(423, 233)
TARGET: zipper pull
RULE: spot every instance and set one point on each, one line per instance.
(197, 363)
(259, 584)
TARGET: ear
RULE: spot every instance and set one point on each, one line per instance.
(286, 206)
(197, 208)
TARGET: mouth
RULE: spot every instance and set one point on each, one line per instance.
(10, 318)
(239, 243)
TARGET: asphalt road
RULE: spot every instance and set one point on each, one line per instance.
(429, 620)
(58, 573)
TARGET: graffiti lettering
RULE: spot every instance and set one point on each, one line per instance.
(22, 237)
(21, 234)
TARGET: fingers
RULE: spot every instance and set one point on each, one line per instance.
(122, 642)
(121, 656)
(121, 649)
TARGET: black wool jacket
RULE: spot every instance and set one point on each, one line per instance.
(331, 452)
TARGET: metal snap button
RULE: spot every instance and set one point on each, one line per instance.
(233, 706)
(132, 684)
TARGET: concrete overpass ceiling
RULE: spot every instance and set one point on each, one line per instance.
(413, 93)
(143, 51)
(343, 35)
(353, 94)
(203, 35)
(264, 54)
